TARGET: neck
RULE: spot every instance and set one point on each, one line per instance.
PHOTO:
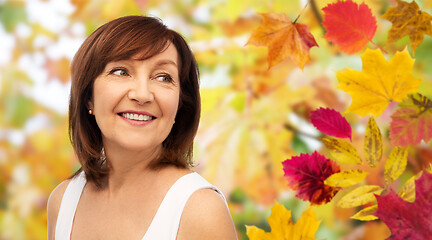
(129, 169)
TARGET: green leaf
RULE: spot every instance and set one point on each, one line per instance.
(299, 145)
(12, 13)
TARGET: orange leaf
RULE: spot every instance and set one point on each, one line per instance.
(240, 26)
(284, 39)
(407, 19)
(349, 25)
(58, 69)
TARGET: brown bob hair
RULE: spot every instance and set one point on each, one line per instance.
(121, 39)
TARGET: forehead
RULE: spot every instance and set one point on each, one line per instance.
(168, 53)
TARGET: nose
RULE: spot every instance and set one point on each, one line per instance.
(141, 91)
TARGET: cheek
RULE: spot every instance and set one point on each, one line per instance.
(174, 106)
(105, 95)
(170, 104)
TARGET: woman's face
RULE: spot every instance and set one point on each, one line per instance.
(135, 101)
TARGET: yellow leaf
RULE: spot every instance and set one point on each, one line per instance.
(379, 83)
(282, 226)
(429, 168)
(408, 19)
(372, 143)
(79, 4)
(342, 151)
(366, 214)
(114, 8)
(360, 196)
(284, 39)
(346, 178)
(407, 191)
(395, 164)
(306, 226)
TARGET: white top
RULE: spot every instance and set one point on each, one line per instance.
(165, 223)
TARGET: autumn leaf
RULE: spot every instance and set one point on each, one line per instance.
(366, 214)
(372, 143)
(346, 178)
(408, 19)
(342, 151)
(284, 39)
(58, 69)
(408, 220)
(407, 192)
(331, 122)
(412, 122)
(306, 174)
(349, 25)
(240, 26)
(359, 196)
(325, 92)
(379, 83)
(142, 4)
(282, 226)
(395, 164)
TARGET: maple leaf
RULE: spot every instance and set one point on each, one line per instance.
(407, 19)
(412, 122)
(408, 220)
(306, 174)
(284, 39)
(349, 25)
(379, 83)
(282, 226)
(331, 122)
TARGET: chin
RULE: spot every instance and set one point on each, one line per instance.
(141, 147)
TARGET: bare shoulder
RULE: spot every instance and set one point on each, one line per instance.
(53, 206)
(206, 216)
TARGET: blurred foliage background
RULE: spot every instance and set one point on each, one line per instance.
(253, 117)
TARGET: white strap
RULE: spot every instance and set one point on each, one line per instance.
(68, 207)
(167, 219)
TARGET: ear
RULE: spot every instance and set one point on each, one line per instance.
(90, 105)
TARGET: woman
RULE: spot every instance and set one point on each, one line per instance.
(134, 111)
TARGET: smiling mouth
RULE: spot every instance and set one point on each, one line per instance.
(136, 117)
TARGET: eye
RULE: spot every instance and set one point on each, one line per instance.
(164, 78)
(119, 72)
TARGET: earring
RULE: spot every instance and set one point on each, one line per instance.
(90, 112)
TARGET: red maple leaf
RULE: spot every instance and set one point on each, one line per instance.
(408, 220)
(331, 122)
(306, 174)
(349, 25)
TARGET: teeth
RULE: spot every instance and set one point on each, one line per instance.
(138, 117)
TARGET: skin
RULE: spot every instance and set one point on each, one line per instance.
(125, 208)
